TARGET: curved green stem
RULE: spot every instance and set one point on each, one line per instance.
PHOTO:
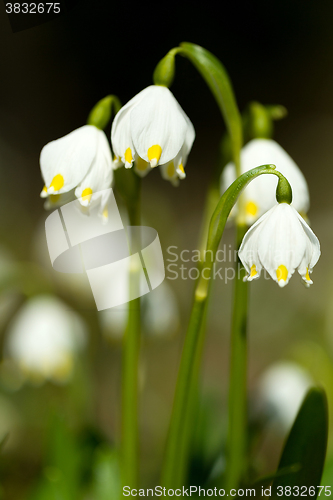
(178, 439)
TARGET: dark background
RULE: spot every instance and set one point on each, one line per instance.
(52, 74)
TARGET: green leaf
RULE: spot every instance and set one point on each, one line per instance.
(217, 79)
(306, 445)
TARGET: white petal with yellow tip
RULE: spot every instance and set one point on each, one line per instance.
(280, 242)
(158, 126)
(100, 174)
(65, 161)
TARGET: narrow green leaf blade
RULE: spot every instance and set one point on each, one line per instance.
(220, 85)
(306, 446)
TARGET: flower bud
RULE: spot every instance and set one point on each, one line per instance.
(165, 70)
(100, 115)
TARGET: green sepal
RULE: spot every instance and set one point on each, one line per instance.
(101, 113)
(258, 120)
(165, 70)
(305, 446)
(284, 192)
(276, 111)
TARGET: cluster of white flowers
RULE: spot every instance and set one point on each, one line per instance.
(150, 130)
(280, 240)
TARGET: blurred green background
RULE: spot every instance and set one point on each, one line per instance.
(51, 76)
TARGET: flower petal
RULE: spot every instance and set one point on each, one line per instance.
(65, 161)
(100, 174)
(121, 138)
(158, 122)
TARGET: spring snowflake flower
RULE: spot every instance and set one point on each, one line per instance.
(78, 164)
(43, 339)
(150, 130)
(280, 242)
(258, 197)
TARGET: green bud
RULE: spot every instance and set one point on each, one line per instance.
(276, 111)
(257, 122)
(165, 70)
(101, 113)
(284, 192)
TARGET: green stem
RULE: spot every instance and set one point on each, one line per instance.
(172, 476)
(236, 444)
(179, 434)
(131, 350)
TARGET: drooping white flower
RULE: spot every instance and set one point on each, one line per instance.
(259, 195)
(150, 130)
(280, 242)
(80, 162)
(281, 390)
(43, 339)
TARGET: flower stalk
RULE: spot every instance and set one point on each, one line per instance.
(178, 439)
(237, 408)
(131, 352)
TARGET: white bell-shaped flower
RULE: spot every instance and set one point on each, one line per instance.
(259, 195)
(43, 339)
(80, 161)
(150, 130)
(280, 242)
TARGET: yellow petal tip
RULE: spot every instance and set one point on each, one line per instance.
(154, 155)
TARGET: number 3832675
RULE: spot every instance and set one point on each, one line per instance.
(32, 8)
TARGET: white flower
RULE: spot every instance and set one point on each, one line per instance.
(259, 195)
(280, 242)
(281, 390)
(43, 339)
(79, 163)
(150, 130)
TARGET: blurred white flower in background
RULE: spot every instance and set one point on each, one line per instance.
(80, 164)
(152, 129)
(280, 392)
(259, 195)
(280, 242)
(160, 315)
(44, 338)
